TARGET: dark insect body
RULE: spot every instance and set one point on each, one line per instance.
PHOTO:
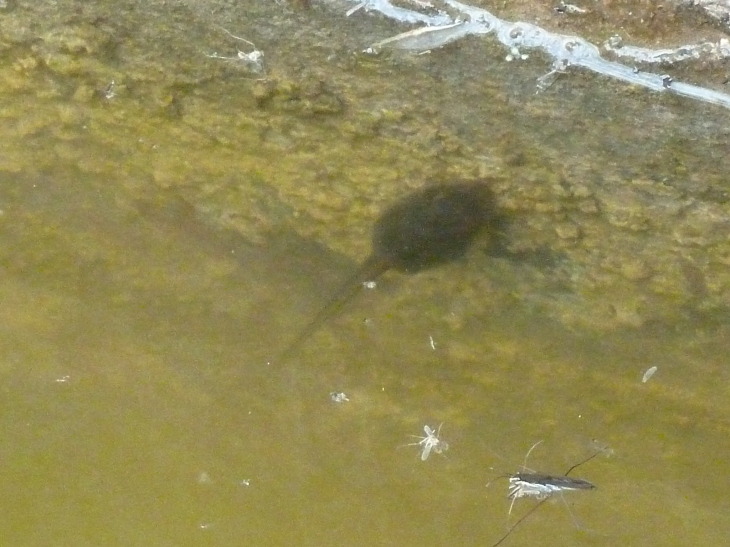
(542, 486)
(429, 227)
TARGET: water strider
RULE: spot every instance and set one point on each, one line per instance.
(542, 486)
(429, 227)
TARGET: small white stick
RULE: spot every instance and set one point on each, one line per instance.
(648, 374)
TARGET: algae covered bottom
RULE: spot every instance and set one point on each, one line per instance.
(171, 217)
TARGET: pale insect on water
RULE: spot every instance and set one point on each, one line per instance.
(431, 442)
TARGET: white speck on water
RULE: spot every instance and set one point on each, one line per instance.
(648, 374)
(339, 397)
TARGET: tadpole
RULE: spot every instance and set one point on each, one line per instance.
(426, 228)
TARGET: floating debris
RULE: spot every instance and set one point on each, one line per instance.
(401, 14)
(704, 50)
(648, 374)
(338, 397)
(514, 53)
(442, 28)
(546, 80)
(431, 442)
(355, 9)
(425, 38)
(569, 8)
(110, 91)
(253, 60)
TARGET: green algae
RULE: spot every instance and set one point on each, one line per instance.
(314, 150)
(143, 184)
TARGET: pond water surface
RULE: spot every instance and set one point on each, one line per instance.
(171, 220)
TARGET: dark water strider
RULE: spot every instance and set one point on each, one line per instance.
(429, 227)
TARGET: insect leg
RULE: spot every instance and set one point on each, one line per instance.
(511, 505)
(589, 458)
(516, 524)
(570, 512)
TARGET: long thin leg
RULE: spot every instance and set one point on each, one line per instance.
(570, 512)
(589, 458)
(511, 505)
(516, 524)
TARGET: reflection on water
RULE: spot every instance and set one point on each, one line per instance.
(158, 247)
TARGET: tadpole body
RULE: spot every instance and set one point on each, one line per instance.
(426, 228)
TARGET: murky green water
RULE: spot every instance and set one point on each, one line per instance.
(169, 221)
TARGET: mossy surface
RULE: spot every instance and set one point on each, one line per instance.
(169, 220)
(624, 186)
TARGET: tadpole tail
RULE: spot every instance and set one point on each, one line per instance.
(371, 269)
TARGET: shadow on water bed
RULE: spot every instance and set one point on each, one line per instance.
(170, 219)
(425, 229)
